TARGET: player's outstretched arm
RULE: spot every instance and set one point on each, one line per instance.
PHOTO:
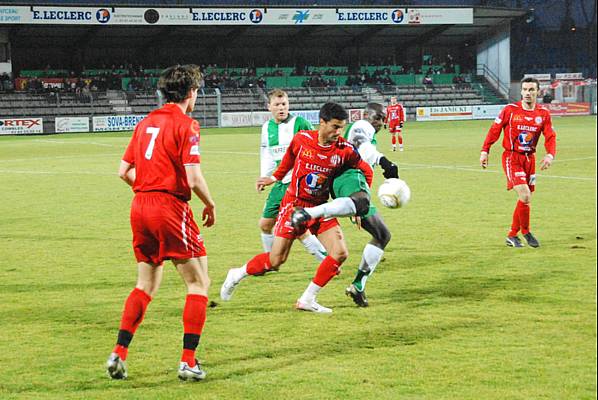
(126, 172)
(199, 186)
(262, 182)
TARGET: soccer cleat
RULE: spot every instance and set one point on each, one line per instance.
(299, 219)
(358, 297)
(312, 306)
(531, 240)
(394, 148)
(115, 367)
(186, 373)
(228, 287)
(513, 241)
(400, 148)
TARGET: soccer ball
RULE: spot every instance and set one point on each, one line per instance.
(394, 193)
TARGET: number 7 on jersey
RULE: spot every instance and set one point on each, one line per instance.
(150, 148)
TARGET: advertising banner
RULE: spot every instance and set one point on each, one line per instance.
(22, 83)
(21, 126)
(102, 15)
(540, 77)
(313, 116)
(569, 76)
(444, 113)
(486, 111)
(71, 124)
(355, 115)
(110, 123)
(564, 109)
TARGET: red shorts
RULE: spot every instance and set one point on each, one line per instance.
(395, 128)
(163, 229)
(520, 169)
(283, 227)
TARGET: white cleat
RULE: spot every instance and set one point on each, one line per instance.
(115, 367)
(312, 306)
(400, 148)
(186, 373)
(228, 287)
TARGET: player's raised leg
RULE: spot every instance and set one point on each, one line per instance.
(194, 273)
(149, 277)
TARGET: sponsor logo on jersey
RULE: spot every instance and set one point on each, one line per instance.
(301, 16)
(397, 16)
(538, 120)
(335, 160)
(323, 157)
(103, 15)
(319, 168)
(518, 118)
(527, 128)
(256, 16)
(528, 118)
(315, 183)
(308, 154)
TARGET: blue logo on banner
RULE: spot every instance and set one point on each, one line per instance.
(103, 15)
(397, 16)
(256, 16)
(301, 16)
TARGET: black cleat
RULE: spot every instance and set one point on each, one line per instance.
(531, 240)
(299, 219)
(357, 296)
(513, 241)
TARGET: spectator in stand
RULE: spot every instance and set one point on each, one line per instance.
(428, 82)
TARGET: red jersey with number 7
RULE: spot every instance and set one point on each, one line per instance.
(315, 166)
(162, 144)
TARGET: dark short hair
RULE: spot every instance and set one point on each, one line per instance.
(176, 81)
(531, 79)
(374, 111)
(330, 111)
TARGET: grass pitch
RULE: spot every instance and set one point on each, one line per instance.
(454, 313)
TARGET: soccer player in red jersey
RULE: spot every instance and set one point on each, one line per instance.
(162, 164)
(395, 118)
(522, 122)
(315, 158)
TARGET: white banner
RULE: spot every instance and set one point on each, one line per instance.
(540, 77)
(62, 15)
(109, 123)
(20, 126)
(487, 111)
(443, 113)
(570, 75)
(71, 124)
(313, 116)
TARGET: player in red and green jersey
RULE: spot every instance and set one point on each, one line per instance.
(162, 164)
(523, 123)
(315, 158)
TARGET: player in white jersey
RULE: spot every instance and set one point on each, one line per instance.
(352, 184)
(277, 134)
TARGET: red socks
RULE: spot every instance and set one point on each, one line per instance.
(135, 307)
(520, 219)
(194, 318)
(259, 264)
(400, 139)
(394, 139)
(326, 271)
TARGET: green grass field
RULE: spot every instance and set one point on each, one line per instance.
(454, 313)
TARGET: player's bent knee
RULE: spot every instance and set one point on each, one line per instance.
(266, 224)
(362, 203)
(384, 238)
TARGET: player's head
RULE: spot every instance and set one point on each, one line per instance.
(179, 83)
(393, 100)
(333, 118)
(530, 87)
(374, 114)
(278, 104)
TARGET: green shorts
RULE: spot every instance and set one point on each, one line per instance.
(274, 199)
(349, 182)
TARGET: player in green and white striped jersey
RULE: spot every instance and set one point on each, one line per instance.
(277, 134)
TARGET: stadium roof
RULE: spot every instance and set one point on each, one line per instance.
(486, 21)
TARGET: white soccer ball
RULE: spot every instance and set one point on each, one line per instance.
(394, 193)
